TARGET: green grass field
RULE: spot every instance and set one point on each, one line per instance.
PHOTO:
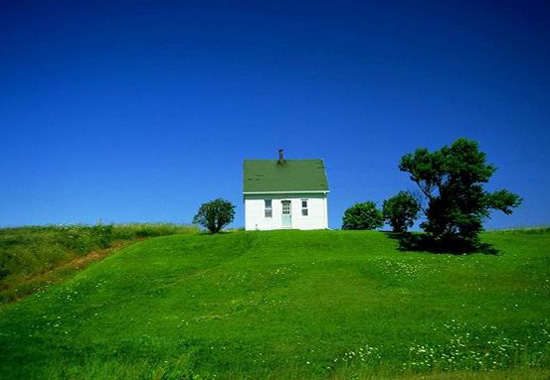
(289, 305)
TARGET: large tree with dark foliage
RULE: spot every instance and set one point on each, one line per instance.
(451, 181)
(215, 215)
(400, 211)
(362, 216)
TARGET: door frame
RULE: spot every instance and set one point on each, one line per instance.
(286, 223)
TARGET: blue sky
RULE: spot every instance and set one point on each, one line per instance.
(139, 111)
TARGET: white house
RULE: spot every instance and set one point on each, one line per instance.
(284, 194)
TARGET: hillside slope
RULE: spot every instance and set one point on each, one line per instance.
(286, 304)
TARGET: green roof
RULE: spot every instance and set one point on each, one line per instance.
(290, 175)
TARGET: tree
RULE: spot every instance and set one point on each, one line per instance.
(401, 211)
(215, 215)
(451, 180)
(362, 216)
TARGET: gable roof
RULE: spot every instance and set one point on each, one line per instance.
(264, 176)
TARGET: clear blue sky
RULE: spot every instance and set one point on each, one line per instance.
(139, 111)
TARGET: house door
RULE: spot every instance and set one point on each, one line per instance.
(287, 215)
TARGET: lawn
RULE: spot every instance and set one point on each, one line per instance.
(289, 304)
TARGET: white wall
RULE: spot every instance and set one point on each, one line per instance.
(255, 219)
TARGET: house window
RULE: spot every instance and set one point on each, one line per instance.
(304, 207)
(268, 208)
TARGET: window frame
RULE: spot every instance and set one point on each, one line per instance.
(268, 211)
(305, 210)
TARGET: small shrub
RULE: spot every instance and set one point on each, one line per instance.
(363, 216)
(215, 215)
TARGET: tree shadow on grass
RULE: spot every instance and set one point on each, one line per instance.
(208, 233)
(420, 242)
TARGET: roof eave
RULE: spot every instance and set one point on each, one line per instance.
(287, 192)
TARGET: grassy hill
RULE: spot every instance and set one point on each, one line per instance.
(289, 304)
(33, 258)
